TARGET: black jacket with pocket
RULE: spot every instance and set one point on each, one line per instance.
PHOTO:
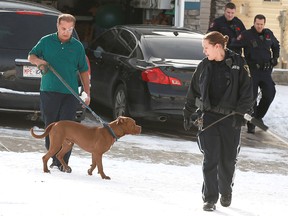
(238, 95)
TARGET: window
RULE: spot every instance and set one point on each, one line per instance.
(20, 31)
(183, 48)
(125, 43)
(106, 40)
(129, 39)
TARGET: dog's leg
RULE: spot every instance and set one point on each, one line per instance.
(67, 146)
(93, 165)
(98, 159)
(45, 159)
(51, 152)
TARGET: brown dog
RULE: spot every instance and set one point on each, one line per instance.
(96, 140)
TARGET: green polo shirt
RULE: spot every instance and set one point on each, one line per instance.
(66, 58)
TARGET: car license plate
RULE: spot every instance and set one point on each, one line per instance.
(31, 71)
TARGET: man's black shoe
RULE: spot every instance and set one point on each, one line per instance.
(60, 167)
(209, 206)
(68, 170)
(54, 163)
(225, 200)
(251, 128)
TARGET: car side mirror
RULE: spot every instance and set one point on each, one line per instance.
(98, 52)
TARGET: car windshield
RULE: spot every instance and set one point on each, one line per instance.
(175, 48)
(18, 31)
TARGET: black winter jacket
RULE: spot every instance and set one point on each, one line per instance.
(238, 96)
(231, 28)
(257, 50)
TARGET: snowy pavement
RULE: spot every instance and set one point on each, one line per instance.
(259, 152)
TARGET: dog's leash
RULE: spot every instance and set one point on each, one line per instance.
(199, 122)
(105, 124)
(4, 147)
(264, 127)
(252, 120)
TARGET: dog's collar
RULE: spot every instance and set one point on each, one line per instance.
(110, 131)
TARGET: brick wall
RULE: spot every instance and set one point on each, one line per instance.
(200, 18)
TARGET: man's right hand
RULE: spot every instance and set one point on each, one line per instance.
(43, 68)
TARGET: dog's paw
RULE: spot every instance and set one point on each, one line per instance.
(89, 172)
(65, 169)
(47, 171)
(106, 177)
(68, 170)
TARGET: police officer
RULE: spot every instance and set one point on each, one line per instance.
(261, 50)
(220, 87)
(229, 25)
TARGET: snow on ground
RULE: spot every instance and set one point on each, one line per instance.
(139, 187)
(277, 115)
(136, 188)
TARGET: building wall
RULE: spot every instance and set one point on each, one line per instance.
(207, 12)
(205, 7)
(199, 14)
(192, 14)
(217, 8)
(246, 11)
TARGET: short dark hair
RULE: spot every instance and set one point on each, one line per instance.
(230, 5)
(260, 17)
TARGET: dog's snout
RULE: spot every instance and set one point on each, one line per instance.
(138, 129)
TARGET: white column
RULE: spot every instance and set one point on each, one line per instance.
(179, 13)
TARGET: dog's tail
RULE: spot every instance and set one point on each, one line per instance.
(46, 132)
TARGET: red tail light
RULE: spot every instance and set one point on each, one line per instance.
(34, 13)
(155, 75)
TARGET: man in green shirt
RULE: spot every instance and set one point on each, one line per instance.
(67, 56)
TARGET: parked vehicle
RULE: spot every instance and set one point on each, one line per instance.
(144, 70)
(22, 25)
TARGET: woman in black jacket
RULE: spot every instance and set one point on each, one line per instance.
(220, 93)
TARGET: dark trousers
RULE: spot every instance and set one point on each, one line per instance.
(55, 107)
(220, 147)
(263, 80)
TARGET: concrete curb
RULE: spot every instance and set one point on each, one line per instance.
(280, 76)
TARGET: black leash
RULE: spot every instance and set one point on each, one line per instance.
(252, 120)
(105, 124)
(264, 127)
(213, 123)
(199, 123)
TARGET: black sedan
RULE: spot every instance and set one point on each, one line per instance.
(144, 71)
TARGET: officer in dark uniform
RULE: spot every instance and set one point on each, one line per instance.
(229, 25)
(261, 50)
(220, 87)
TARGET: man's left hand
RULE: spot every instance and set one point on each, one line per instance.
(273, 62)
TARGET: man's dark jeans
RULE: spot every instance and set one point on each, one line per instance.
(54, 107)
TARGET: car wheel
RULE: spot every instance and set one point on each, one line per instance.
(120, 102)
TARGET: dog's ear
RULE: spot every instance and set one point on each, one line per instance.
(120, 120)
